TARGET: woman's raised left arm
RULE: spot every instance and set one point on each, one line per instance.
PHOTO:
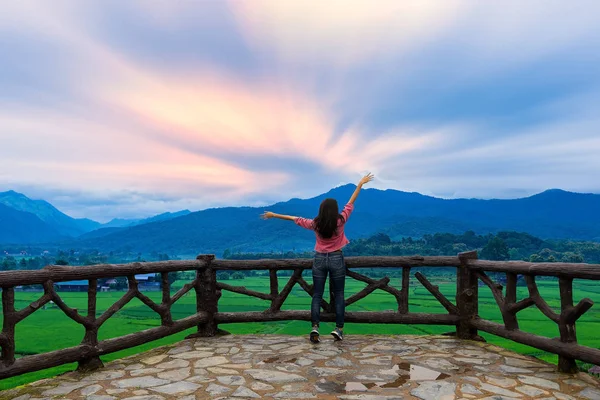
(269, 214)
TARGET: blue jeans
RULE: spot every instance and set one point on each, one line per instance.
(334, 264)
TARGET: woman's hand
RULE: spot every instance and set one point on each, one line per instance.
(366, 179)
(267, 215)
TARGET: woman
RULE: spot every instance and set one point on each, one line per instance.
(329, 231)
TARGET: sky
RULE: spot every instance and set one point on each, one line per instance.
(130, 109)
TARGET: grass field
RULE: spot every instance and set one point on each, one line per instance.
(49, 329)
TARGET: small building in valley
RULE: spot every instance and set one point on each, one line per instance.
(72, 286)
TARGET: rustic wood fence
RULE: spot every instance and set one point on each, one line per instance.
(463, 313)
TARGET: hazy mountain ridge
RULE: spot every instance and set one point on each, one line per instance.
(551, 214)
(49, 214)
(26, 221)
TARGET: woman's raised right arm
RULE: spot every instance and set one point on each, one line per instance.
(365, 179)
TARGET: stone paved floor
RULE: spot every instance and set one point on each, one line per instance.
(361, 367)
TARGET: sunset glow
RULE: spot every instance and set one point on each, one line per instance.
(203, 104)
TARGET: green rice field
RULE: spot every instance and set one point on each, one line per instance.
(50, 329)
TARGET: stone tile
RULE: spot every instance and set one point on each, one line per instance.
(177, 363)
(231, 380)
(100, 397)
(181, 387)
(502, 382)
(589, 393)
(63, 389)
(211, 362)
(193, 354)
(517, 362)
(274, 376)
(115, 391)
(294, 395)
(236, 366)
(145, 371)
(498, 390)
(175, 374)
(142, 382)
(507, 369)
(104, 376)
(89, 390)
(535, 381)
(215, 389)
(324, 371)
(339, 362)
(225, 371)
(369, 397)
(562, 396)
(441, 364)
(381, 360)
(433, 390)
(531, 391)
(146, 397)
(259, 386)
(355, 387)
(180, 349)
(469, 389)
(134, 366)
(243, 391)
(154, 359)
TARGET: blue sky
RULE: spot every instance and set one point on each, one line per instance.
(128, 109)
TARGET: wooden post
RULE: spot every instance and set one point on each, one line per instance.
(403, 301)
(467, 294)
(510, 318)
(274, 283)
(566, 328)
(207, 297)
(91, 331)
(8, 327)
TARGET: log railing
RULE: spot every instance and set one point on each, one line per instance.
(463, 313)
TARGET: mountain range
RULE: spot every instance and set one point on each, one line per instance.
(27, 221)
(551, 214)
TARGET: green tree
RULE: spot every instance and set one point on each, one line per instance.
(238, 275)
(222, 276)
(496, 249)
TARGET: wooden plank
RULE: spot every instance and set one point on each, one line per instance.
(367, 290)
(351, 262)
(379, 317)
(538, 300)
(434, 290)
(567, 270)
(571, 350)
(59, 273)
(55, 358)
(278, 301)
(127, 297)
(309, 289)
(243, 290)
(181, 292)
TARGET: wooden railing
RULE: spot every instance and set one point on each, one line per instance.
(463, 313)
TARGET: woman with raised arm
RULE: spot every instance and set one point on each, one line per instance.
(329, 231)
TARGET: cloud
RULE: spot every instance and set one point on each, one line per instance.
(205, 104)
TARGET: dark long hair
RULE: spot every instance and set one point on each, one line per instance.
(327, 220)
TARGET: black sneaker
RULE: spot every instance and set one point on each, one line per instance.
(337, 334)
(314, 335)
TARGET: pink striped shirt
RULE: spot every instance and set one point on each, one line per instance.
(335, 242)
